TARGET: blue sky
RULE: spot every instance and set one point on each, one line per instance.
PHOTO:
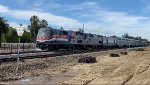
(104, 17)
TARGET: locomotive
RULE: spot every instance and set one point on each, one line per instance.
(53, 39)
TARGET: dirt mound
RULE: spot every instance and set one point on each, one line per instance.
(140, 49)
(87, 60)
(114, 55)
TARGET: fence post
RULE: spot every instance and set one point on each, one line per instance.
(23, 47)
(7, 49)
(4, 48)
(11, 48)
(17, 48)
(28, 47)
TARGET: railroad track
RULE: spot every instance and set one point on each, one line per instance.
(13, 57)
(44, 54)
(40, 54)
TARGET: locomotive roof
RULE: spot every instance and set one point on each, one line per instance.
(73, 31)
(94, 34)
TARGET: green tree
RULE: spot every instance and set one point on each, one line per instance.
(11, 36)
(34, 26)
(4, 26)
(25, 38)
(138, 38)
(126, 35)
(81, 30)
(43, 24)
(131, 37)
(3, 38)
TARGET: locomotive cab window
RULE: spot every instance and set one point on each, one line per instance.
(100, 42)
(44, 32)
(63, 33)
(91, 36)
(114, 41)
(107, 41)
(119, 39)
(79, 41)
(56, 32)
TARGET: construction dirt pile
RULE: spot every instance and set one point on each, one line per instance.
(132, 68)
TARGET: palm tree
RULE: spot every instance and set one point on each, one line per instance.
(4, 26)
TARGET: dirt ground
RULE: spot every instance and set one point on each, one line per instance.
(133, 68)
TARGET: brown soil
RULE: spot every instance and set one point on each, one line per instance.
(133, 68)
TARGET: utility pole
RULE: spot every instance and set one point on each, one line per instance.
(81, 29)
(83, 26)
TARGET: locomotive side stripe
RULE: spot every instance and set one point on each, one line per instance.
(56, 37)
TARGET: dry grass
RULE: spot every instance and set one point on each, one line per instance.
(126, 69)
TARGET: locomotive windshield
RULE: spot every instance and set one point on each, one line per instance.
(44, 32)
(59, 32)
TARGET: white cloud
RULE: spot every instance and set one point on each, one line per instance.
(119, 23)
(112, 22)
(98, 20)
(3, 9)
(123, 20)
(16, 25)
(13, 24)
(52, 19)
